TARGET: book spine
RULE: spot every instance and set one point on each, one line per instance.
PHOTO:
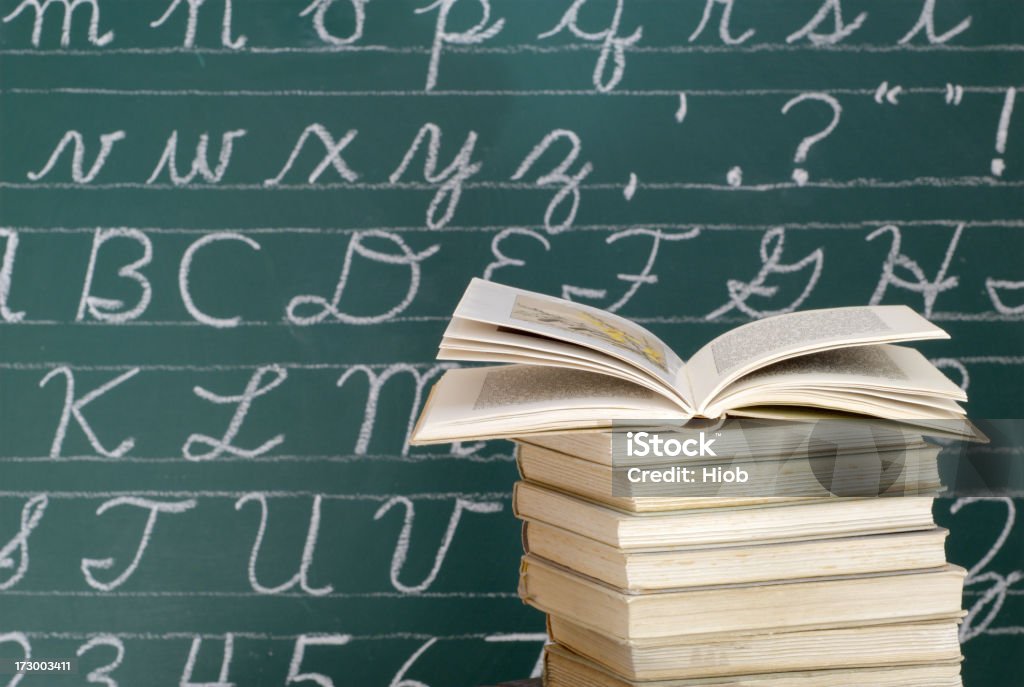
(524, 592)
(515, 500)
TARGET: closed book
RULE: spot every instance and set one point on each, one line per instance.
(814, 603)
(639, 571)
(719, 655)
(748, 438)
(838, 517)
(562, 668)
(795, 479)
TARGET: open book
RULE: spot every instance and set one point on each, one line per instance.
(573, 366)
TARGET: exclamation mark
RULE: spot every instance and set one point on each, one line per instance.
(998, 164)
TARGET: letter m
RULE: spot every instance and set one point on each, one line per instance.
(376, 383)
(69, 7)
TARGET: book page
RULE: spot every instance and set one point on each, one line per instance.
(512, 400)
(883, 370)
(891, 407)
(481, 342)
(532, 313)
(472, 353)
(767, 341)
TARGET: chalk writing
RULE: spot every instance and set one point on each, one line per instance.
(568, 183)
(101, 675)
(225, 664)
(478, 33)
(78, 173)
(724, 32)
(840, 29)
(108, 309)
(401, 552)
(319, 8)
(926, 23)
(73, 409)
(994, 596)
(928, 288)
(253, 389)
(154, 508)
(191, 25)
(6, 273)
(31, 514)
(300, 651)
(612, 44)
(376, 383)
(39, 8)
(200, 163)
(450, 180)
(332, 158)
(233, 233)
(800, 175)
(771, 249)
(309, 548)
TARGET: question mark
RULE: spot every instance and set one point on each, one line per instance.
(799, 174)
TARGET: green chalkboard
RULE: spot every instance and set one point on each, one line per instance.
(209, 360)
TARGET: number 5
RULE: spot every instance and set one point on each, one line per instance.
(300, 649)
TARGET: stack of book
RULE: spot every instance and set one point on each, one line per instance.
(733, 590)
(790, 578)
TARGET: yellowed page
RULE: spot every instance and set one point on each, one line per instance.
(513, 400)
(761, 343)
(481, 342)
(529, 313)
(883, 370)
(522, 356)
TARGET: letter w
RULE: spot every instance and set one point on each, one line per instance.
(200, 163)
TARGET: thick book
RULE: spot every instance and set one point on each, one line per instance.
(562, 668)
(797, 604)
(839, 517)
(709, 656)
(898, 473)
(572, 366)
(748, 438)
(642, 571)
(593, 481)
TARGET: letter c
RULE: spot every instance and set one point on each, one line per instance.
(186, 266)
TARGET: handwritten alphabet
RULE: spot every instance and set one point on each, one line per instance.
(612, 45)
(724, 31)
(405, 537)
(73, 408)
(232, 231)
(478, 33)
(226, 37)
(771, 249)
(840, 29)
(39, 8)
(300, 578)
(31, 514)
(154, 508)
(78, 174)
(253, 389)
